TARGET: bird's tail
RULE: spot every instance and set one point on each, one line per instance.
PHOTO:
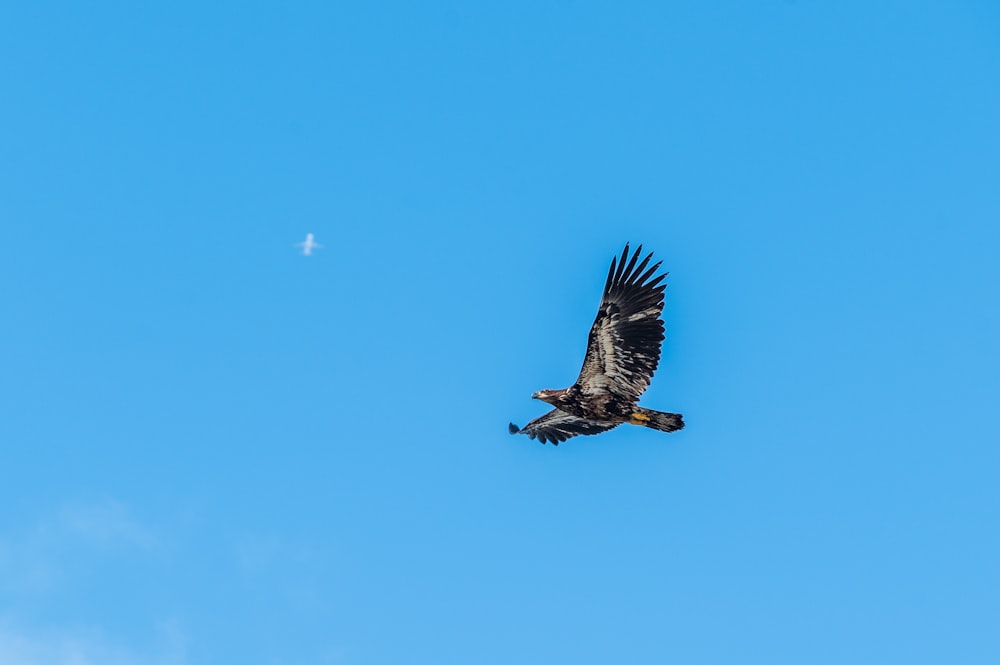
(658, 420)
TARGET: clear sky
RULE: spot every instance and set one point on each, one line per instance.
(216, 450)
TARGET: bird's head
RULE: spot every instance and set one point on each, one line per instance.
(550, 396)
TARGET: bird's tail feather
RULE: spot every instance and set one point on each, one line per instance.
(658, 420)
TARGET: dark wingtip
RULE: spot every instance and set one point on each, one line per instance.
(512, 428)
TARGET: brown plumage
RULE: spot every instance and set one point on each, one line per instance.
(623, 351)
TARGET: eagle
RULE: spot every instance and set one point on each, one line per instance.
(623, 351)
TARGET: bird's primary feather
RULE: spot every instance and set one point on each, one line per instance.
(623, 349)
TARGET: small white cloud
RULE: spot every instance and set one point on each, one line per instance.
(309, 245)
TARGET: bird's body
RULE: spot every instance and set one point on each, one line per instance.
(623, 352)
(601, 406)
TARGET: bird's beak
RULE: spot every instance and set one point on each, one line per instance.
(537, 395)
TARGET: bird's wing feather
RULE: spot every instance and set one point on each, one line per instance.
(624, 345)
(556, 426)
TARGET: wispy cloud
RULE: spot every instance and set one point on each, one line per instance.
(263, 553)
(107, 523)
(34, 559)
(21, 646)
(38, 563)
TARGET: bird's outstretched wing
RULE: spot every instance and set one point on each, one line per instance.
(556, 426)
(624, 346)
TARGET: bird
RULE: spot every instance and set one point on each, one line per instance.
(623, 351)
(309, 245)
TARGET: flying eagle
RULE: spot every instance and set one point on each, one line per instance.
(622, 353)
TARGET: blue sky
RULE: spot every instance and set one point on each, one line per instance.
(217, 450)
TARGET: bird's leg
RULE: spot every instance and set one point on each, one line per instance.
(638, 418)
